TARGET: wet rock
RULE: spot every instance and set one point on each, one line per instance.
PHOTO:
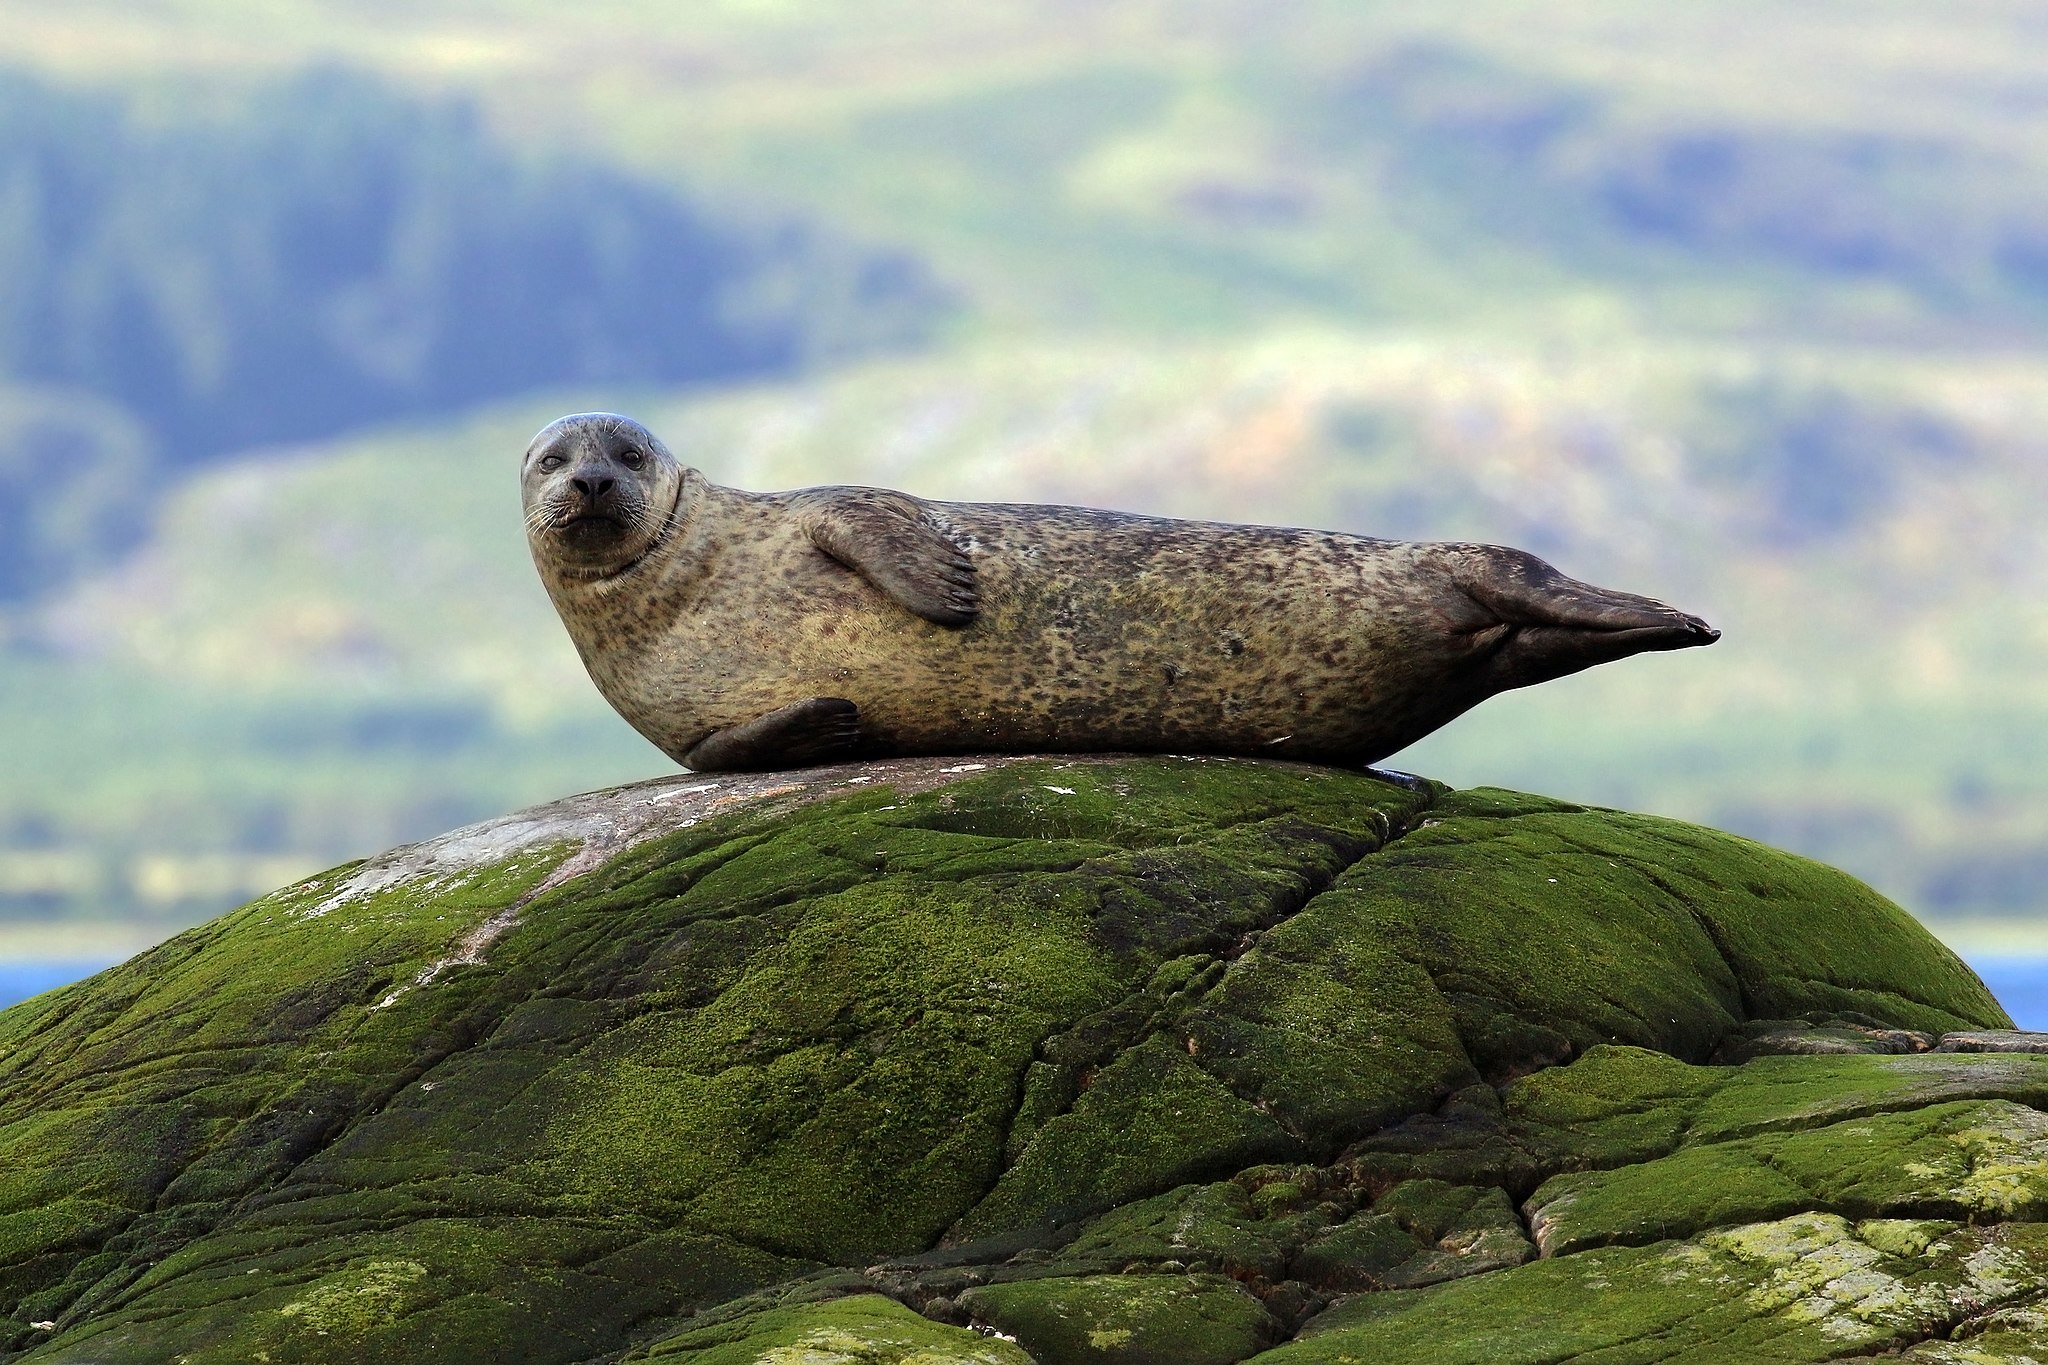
(1128, 1319)
(1993, 1040)
(1799, 1038)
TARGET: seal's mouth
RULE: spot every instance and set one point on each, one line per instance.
(596, 542)
(590, 526)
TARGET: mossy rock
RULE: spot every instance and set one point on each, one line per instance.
(993, 1061)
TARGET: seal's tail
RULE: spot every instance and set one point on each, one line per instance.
(1556, 625)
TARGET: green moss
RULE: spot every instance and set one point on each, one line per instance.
(1809, 1288)
(1273, 1227)
(1619, 1105)
(1213, 1226)
(2009, 1336)
(1360, 1253)
(1127, 1319)
(1420, 1232)
(727, 1070)
(866, 1063)
(864, 1329)
(356, 1304)
(1151, 1120)
(1756, 903)
(1975, 1161)
(1634, 930)
(552, 1291)
(1328, 1029)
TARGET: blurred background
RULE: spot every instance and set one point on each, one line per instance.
(1743, 305)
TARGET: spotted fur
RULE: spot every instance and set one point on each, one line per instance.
(1076, 629)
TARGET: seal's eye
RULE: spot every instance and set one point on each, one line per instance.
(550, 462)
(632, 458)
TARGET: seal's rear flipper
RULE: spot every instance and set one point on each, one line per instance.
(1549, 625)
(803, 734)
(888, 539)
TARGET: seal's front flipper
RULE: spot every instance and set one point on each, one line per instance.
(803, 734)
(1545, 625)
(891, 541)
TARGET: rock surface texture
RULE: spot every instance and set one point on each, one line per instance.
(1158, 1060)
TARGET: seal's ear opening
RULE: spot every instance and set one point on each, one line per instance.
(658, 448)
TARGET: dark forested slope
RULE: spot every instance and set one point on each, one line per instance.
(309, 257)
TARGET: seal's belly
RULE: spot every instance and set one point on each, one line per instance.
(1276, 648)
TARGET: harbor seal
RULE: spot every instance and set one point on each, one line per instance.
(742, 630)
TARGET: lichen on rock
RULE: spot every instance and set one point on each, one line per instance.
(1812, 1287)
(1000, 1060)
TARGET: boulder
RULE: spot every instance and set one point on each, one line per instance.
(1091, 1059)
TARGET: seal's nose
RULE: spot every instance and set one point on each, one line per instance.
(592, 489)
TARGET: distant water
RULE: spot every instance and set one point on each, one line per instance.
(2020, 983)
(20, 980)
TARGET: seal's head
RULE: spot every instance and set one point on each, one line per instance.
(600, 493)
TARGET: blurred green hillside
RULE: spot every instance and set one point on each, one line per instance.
(307, 256)
(1744, 306)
